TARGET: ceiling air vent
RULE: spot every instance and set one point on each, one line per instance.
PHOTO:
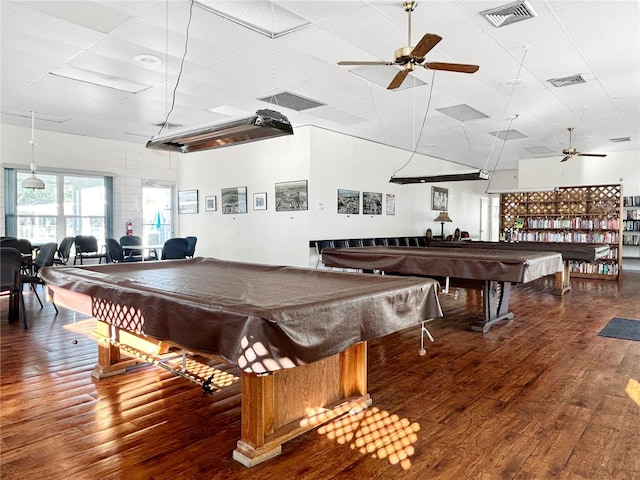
(620, 139)
(565, 81)
(292, 101)
(511, 13)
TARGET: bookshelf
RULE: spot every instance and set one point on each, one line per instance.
(569, 214)
(631, 227)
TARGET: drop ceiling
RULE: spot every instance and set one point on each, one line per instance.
(229, 70)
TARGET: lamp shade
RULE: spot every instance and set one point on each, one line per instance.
(443, 217)
(33, 182)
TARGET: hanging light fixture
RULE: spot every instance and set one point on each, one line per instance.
(33, 182)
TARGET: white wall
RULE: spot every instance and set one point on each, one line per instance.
(617, 167)
(329, 161)
(129, 163)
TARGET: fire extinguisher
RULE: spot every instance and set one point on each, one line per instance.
(129, 228)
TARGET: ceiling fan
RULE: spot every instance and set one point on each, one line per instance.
(573, 151)
(410, 57)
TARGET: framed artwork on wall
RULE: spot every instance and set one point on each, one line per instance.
(391, 204)
(292, 196)
(348, 202)
(234, 200)
(210, 203)
(188, 201)
(260, 201)
(371, 203)
(439, 198)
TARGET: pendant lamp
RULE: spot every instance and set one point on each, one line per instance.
(33, 182)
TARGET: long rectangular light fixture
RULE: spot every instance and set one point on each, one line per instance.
(264, 124)
(443, 177)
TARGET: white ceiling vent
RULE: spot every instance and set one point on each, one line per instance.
(511, 13)
(292, 101)
(566, 81)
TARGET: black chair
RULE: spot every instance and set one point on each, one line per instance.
(175, 248)
(413, 241)
(134, 255)
(26, 249)
(115, 254)
(87, 248)
(10, 282)
(9, 242)
(44, 258)
(321, 245)
(64, 251)
(191, 242)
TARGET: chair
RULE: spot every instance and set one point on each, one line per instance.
(64, 251)
(321, 245)
(9, 242)
(456, 235)
(191, 242)
(175, 248)
(134, 255)
(26, 249)
(87, 247)
(340, 244)
(44, 258)
(115, 254)
(10, 282)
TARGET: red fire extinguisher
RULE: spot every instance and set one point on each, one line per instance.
(129, 228)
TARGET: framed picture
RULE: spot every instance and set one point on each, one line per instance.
(292, 196)
(188, 201)
(234, 200)
(439, 198)
(348, 202)
(391, 204)
(260, 201)
(210, 203)
(371, 203)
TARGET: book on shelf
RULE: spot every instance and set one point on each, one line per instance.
(631, 201)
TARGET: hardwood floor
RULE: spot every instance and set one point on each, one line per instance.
(540, 396)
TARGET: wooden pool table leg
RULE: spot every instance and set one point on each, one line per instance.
(495, 304)
(287, 403)
(563, 279)
(110, 359)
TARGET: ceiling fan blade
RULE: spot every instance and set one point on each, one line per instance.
(356, 62)
(452, 67)
(398, 79)
(424, 46)
(566, 158)
(592, 154)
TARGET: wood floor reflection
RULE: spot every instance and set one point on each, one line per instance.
(541, 396)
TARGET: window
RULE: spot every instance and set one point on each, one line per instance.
(157, 214)
(69, 205)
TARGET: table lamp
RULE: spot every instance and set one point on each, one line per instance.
(442, 217)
